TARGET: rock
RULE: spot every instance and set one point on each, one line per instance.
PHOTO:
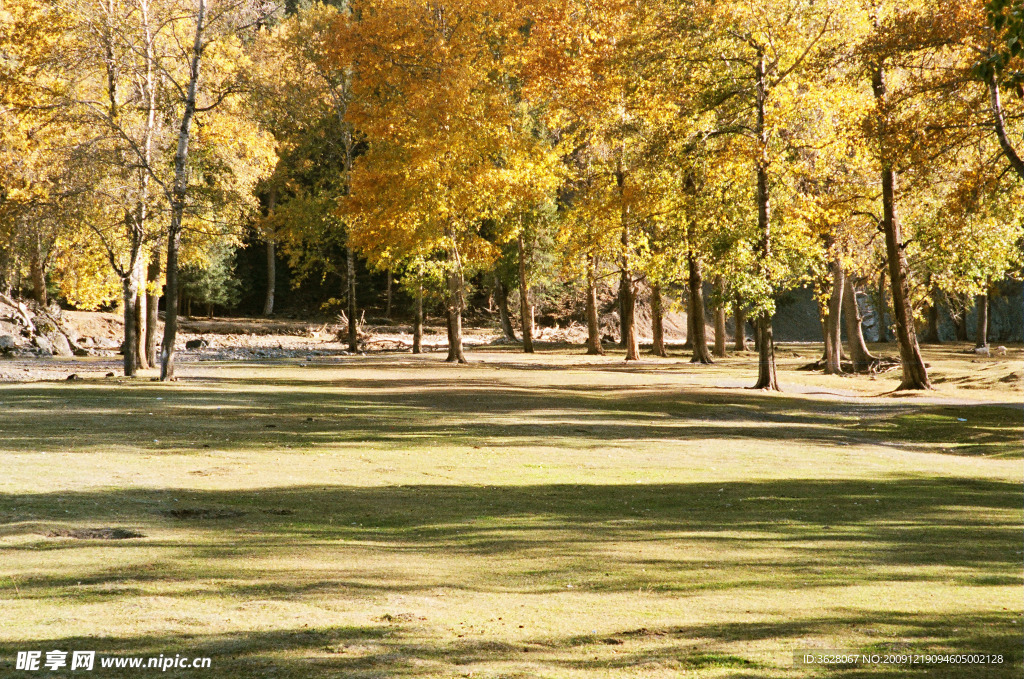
(110, 374)
(1001, 351)
(107, 344)
(7, 344)
(982, 351)
(60, 344)
(72, 377)
(196, 344)
(44, 344)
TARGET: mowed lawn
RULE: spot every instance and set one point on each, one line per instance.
(546, 516)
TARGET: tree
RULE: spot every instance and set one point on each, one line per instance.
(208, 36)
(753, 64)
(449, 144)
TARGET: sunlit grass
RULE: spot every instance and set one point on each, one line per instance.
(547, 516)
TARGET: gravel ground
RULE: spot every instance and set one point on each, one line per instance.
(231, 347)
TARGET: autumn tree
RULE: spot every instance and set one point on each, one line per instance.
(753, 65)
(448, 146)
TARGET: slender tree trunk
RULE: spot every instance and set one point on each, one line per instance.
(417, 323)
(700, 342)
(1000, 125)
(171, 297)
(981, 328)
(130, 346)
(688, 301)
(501, 293)
(525, 309)
(657, 322)
(455, 305)
(624, 284)
(859, 353)
(766, 374)
(152, 308)
(915, 375)
(350, 295)
(141, 315)
(740, 316)
(767, 377)
(720, 339)
(387, 303)
(594, 347)
(882, 335)
(268, 300)
(178, 199)
(960, 319)
(833, 345)
(627, 287)
(38, 277)
(629, 307)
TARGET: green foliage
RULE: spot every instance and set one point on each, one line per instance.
(212, 282)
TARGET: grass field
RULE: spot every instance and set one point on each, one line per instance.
(546, 516)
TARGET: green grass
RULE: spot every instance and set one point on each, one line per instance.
(550, 516)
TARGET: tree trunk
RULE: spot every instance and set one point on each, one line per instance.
(350, 295)
(1016, 162)
(740, 316)
(178, 199)
(696, 285)
(525, 310)
(981, 328)
(833, 344)
(417, 323)
(152, 308)
(38, 277)
(629, 322)
(960, 319)
(915, 375)
(387, 302)
(688, 300)
(501, 292)
(766, 377)
(657, 322)
(859, 353)
(171, 300)
(268, 300)
(594, 347)
(455, 304)
(627, 287)
(624, 283)
(130, 346)
(720, 338)
(766, 374)
(141, 315)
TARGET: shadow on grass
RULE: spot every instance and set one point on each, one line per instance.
(340, 407)
(787, 534)
(399, 650)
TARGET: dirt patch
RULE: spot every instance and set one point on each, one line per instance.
(95, 533)
(95, 324)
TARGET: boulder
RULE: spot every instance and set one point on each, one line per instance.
(44, 344)
(60, 344)
(7, 344)
(196, 344)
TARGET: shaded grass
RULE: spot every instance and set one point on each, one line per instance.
(512, 519)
